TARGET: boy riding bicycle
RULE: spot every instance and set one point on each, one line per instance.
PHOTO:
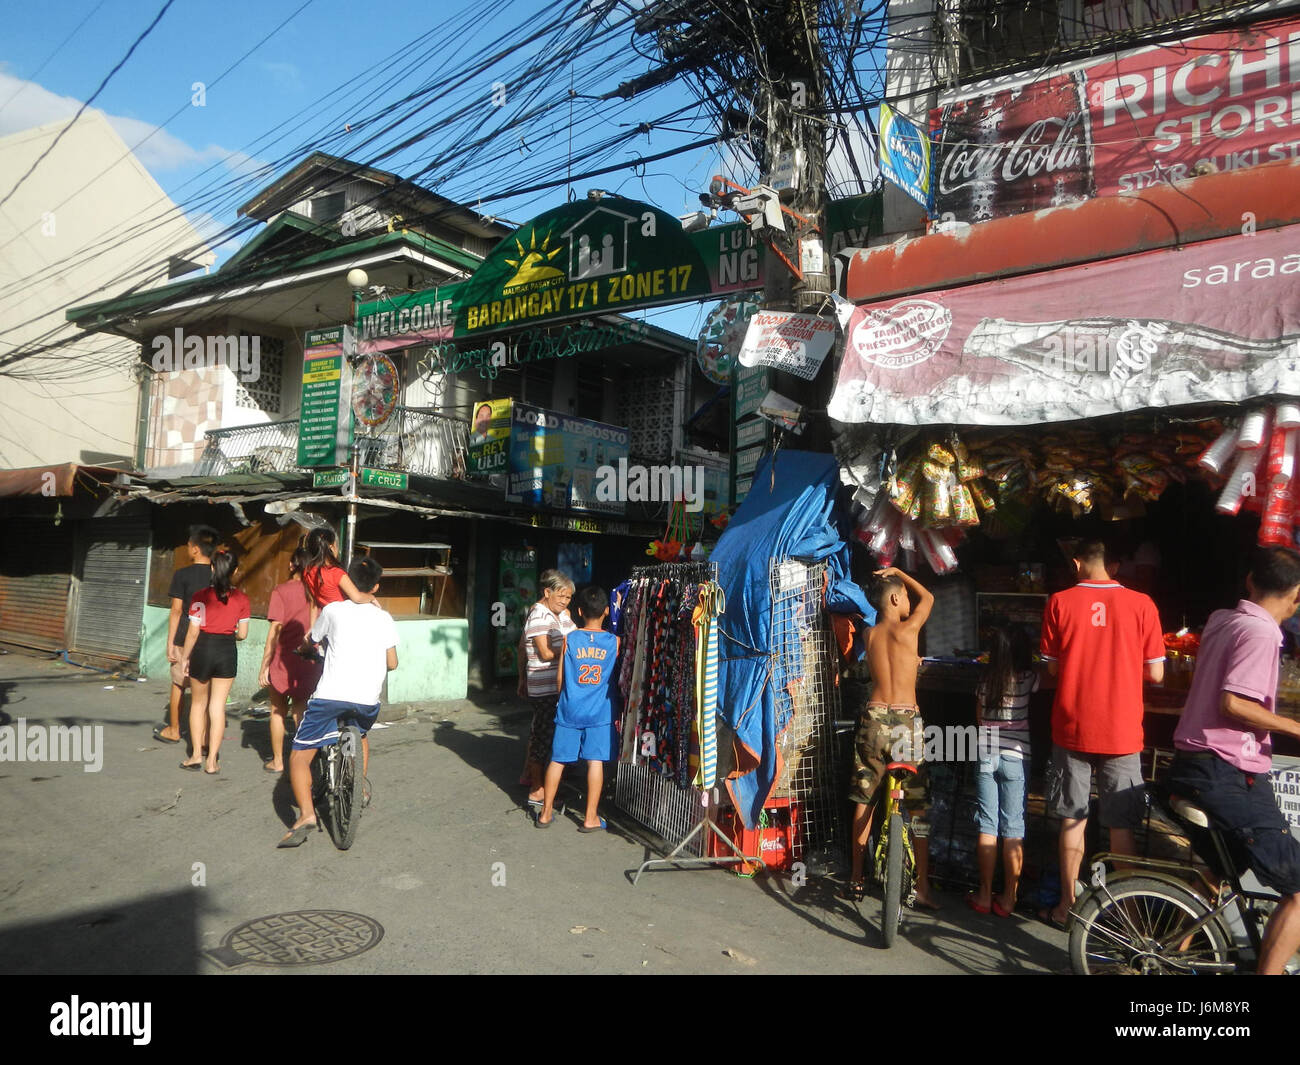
(360, 649)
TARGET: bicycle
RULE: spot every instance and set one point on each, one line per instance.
(893, 856)
(338, 784)
(1150, 919)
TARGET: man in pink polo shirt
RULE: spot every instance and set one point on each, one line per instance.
(1100, 640)
(1224, 744)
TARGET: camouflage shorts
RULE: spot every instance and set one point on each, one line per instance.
(888, 734)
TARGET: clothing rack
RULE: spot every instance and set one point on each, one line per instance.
(665, 805)
(687, 572)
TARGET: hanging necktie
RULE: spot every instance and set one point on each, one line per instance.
(711, 604)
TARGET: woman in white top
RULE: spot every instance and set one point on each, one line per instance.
(547, 624)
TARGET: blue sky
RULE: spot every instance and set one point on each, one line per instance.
(47, 70)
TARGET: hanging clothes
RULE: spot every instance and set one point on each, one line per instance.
(658, 676)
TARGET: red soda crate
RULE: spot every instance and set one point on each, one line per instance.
(776, 839)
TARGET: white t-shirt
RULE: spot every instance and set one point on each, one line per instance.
(356, 657)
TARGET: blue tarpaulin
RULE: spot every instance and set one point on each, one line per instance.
(787, 516)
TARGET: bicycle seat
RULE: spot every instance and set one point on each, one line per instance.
(1189, 812)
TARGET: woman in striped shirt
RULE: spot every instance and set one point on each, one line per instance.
(544, 630)
(1002, 707)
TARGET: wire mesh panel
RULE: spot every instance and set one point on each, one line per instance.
(659, 804)
(807, 701)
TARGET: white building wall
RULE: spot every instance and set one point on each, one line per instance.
(65, 245)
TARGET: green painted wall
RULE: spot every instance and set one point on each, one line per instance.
(433, 657)
(433, 654)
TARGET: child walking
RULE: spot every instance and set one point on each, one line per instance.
(1002, 706)
(218, 618)
(289, 678)
(584, 718)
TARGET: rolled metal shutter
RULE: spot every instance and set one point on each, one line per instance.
(111, 592)
(35, 574)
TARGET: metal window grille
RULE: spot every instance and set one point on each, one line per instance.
(263, 393)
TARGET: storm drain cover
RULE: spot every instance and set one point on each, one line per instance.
(300, 937)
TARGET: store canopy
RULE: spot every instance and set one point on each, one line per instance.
(56, 481)
(1168, 215)
(1218, 321)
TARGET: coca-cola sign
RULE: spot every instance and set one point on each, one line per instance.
(1011, 150)
(1015, 149)
(1119, 123)
(1217, 321)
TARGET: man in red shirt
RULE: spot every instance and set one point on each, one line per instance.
(1100, 640)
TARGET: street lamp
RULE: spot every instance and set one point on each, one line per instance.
(357, 281)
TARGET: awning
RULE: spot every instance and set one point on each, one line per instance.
(56, 482)
(1162, 216)
(1218, 321)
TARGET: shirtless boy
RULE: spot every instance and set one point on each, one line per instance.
(891, 714)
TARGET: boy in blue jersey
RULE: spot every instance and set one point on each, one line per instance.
(584, 718)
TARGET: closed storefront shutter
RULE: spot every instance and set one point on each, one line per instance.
(35, 573)
(111, 593)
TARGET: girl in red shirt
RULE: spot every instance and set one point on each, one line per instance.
(218, 618)
(325, 580)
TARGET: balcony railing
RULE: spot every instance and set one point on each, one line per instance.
(415, 440)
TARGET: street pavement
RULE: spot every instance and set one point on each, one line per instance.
(143, 868)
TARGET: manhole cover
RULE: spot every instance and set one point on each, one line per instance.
(301, 937)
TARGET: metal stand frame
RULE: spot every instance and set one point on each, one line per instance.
(705, 826)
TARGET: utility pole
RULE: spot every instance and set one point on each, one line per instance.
(761, 67)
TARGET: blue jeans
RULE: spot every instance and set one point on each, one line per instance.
(1001, 789)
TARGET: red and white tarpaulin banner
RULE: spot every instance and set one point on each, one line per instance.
(1119, 123)
(1216, 321)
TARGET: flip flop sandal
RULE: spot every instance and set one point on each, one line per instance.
(271, 769)
(853, 890)
(157, 734)
(297, 836)
(985, 910)
(544, 824)
(192, 768)
(1000, 910)
(584, 828)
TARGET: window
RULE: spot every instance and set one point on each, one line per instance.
(263, 391)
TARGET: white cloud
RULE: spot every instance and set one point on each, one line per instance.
(286, 74)
(24, 104)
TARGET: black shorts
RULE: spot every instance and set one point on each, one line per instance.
(1243, 807)
(214, 655)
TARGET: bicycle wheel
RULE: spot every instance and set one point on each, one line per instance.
(345, 798)
(895, 845)
(1135, 927)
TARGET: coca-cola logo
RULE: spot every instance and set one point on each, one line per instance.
(907, 333)
(1044, 148)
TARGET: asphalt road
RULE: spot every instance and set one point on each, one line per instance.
(142, 868)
